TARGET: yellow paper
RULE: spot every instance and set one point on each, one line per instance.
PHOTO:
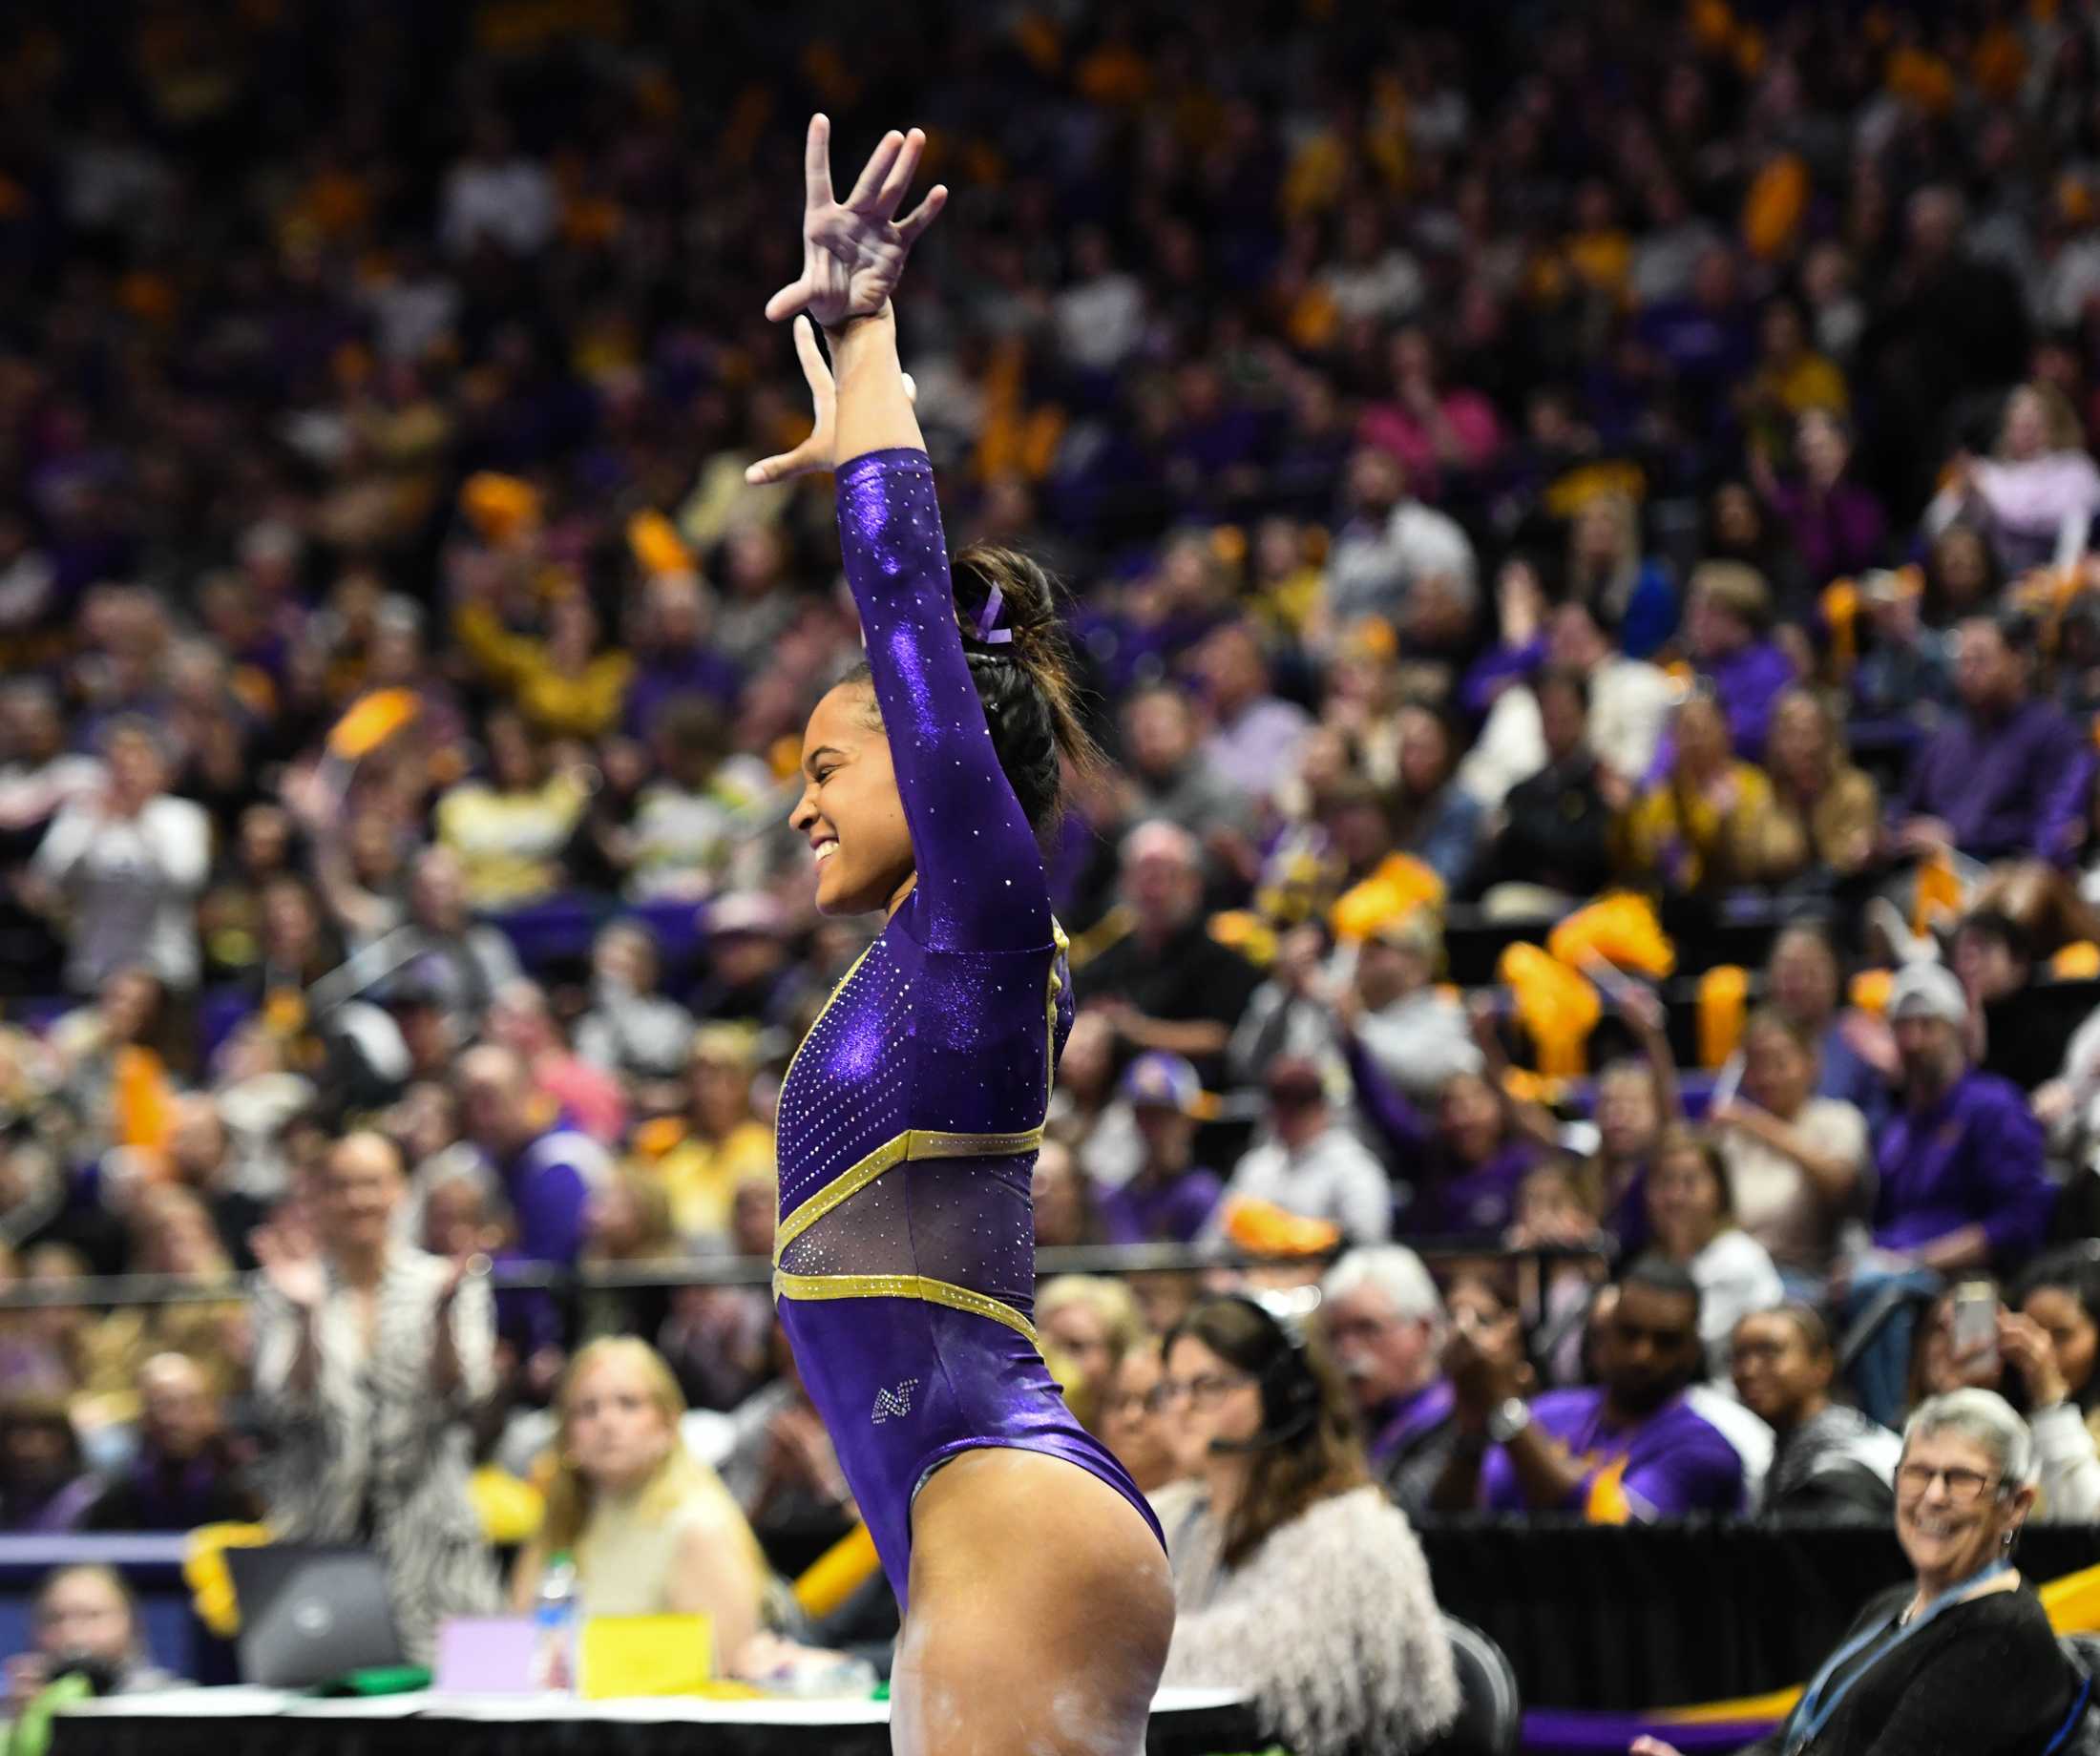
(646, 1655)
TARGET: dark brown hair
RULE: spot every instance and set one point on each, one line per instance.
(1286, 1479)
(1026, 684)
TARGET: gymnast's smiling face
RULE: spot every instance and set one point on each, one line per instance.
(851, 813)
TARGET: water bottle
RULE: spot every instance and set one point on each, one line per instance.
(557, 1615)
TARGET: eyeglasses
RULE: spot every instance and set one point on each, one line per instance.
(1964, 1487)
(1205, 1392)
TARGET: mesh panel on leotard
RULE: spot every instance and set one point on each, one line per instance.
(967, 1220)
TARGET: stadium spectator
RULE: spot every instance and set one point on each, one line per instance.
(1389, 546)
(370, 1358)
(1254, 737)
(1712, 824)
(652, 1528)
(1174, 777)
(2040, 481)
(631, 1029)
(1960, 1181)
(1462, 1163)
(1835, 523)
(545, 1166)
(720, 1143)
(1994, 958)
(126, 865)
(1132, 1426)
(1981, 1670)
(2048, 1339)
(185, 1472)
(458, 962)
(1960, 1177)
(1636, 1449)
(1855, 1056)
(581, 1091)
(45, 1484)
(1693, 1222)
(1796, 1162)
(1169, 1198)
(1308, 1162)
(1832, 807)
(1553, 845)
(1828, 1462)
(1164, 983)
(1280, 1509)
(750, 978)
(1727, 616)
(1384, 1325)
(1087, 1322)
(2006, 776)
(508, 830)
(86, 1625)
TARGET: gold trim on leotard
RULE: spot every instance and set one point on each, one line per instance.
(903, 1287)
(911, 1143)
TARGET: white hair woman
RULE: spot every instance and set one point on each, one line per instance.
(1962, 1659)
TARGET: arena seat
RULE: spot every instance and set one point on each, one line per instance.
(1490, 1714)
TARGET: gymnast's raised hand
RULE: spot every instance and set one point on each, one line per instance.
(853, 251)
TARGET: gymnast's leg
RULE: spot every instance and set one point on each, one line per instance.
(1040, 1612)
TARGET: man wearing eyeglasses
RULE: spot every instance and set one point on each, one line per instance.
(1636, 1448)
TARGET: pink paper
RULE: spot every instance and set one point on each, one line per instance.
(485, 1655)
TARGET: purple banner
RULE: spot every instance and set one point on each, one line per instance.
(1558, 1732)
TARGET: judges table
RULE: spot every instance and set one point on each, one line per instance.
(248, 1722)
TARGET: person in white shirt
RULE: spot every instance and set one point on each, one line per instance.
(1254, 735)
(1391, 542)
(1101, 315)
(1629, 704)
(1691, 1210)
(125, 865)
(497, 196)
(1309, 1163)
(1796, 1163)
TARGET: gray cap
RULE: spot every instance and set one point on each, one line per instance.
(1928, 990)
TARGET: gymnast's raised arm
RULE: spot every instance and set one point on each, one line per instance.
(980, 874)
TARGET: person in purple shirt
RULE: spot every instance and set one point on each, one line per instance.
(672, 656)
(546, 1170)
(1463, 1166)
(1254, 735)
(2004, 778)
(1837, 525)
(1725, 624)
(1385, 1325)
(1960, 1182)
(1170, 1198)
(43, 1481)
(1637, 1447)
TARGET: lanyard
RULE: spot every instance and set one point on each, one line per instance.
(1815, 1712)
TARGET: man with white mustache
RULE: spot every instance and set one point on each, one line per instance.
(1385, 1327)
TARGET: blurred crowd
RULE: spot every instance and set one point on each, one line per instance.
(1499, 459)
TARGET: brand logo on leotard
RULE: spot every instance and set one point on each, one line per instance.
(897, 1401)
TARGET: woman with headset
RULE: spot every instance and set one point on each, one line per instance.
(1294, 1577)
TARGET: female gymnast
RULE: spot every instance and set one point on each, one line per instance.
(1036, 1598)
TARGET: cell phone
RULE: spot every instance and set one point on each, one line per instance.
(1975, 1331)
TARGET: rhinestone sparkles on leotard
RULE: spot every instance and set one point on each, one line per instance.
(911, 1116)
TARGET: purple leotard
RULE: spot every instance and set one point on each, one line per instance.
(904, 1266)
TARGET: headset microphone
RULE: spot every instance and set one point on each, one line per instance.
(1291, 1393)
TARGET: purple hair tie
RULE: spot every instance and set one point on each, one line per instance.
(988, 630)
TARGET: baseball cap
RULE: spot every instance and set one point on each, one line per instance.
(1928, 990)
(1163, 1081)
(745, 911)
